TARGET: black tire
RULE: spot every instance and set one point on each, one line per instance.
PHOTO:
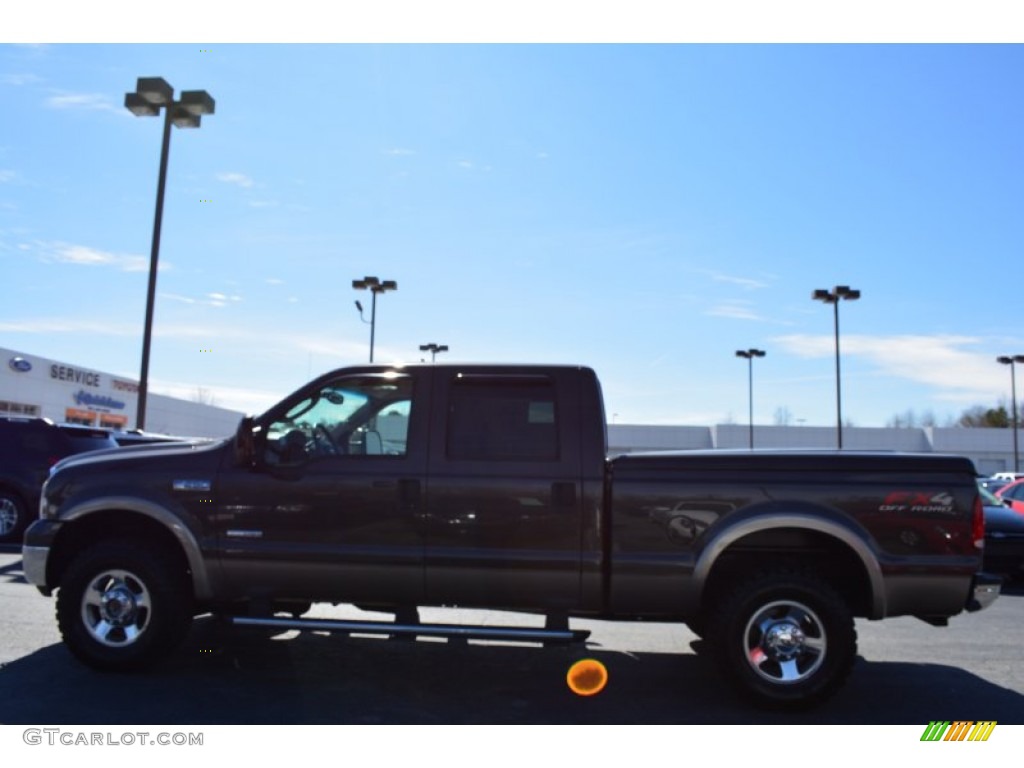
(123, 606)
(13, 517)
(785, 639)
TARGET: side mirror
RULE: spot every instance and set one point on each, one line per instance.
(245, 449)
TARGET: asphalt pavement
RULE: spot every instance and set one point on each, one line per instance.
(907, 673)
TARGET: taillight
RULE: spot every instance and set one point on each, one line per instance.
(978, 524)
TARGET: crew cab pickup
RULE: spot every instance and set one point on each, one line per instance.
(488, 486)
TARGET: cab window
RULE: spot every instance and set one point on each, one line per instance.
(353, 416)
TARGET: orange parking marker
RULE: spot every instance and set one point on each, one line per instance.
(587, 677)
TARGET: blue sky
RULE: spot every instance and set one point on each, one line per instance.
(643, 209)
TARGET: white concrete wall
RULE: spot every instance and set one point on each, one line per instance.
(990, 449)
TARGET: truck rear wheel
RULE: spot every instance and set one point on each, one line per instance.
(786, 639)
(123, 605)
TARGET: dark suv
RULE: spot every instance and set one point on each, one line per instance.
(28, 448)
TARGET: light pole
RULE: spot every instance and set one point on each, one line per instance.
(845, 293)
(152, 93)
(433, 349)
(1007, 360)
(749, 355)
(374, 286)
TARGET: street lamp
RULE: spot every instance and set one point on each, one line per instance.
(152, 93)
(833, 297)
(433, 349)
(374, 286)
(749, 355)
(1007, 360)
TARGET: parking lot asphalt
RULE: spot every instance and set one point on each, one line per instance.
(907, 673)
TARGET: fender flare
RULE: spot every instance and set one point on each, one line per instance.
(201, 579)
(839, 528)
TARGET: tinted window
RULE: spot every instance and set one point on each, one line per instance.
(494, 420)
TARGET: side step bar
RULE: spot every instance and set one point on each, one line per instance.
(469, 632)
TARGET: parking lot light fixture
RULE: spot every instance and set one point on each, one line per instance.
(374, 286)
(433, 349)
(1010, 360)
(833, 297)
(150, 96)
(749, 355)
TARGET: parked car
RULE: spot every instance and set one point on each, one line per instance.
(1004, 538)
(1013, 495)
(28, 448)
(992, 484)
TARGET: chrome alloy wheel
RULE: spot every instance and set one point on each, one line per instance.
(785, 642)
(116, 608)
(8, 516)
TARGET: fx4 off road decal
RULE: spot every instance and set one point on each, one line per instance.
(916, 501)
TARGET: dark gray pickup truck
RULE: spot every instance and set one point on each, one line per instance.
(488, 486)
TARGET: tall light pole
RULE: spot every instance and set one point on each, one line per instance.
(433, 349)
(749, 355)
(374, 286)
(833, 297)
(1007, 360)
(150, 95)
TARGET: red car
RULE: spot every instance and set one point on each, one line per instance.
(1013, 495)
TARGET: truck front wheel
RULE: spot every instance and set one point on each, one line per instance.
(123, 605)
(785, 639)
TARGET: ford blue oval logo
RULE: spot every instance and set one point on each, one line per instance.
(20, 364)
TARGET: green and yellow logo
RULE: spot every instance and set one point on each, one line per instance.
(958, 730)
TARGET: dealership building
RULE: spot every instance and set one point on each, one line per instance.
(33, 386)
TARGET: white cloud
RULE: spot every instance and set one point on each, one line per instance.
(274, 281)
(177, 297)
(239, 179)
(465, 164)
(398, 152)
(744, 282)
(7, 176)
(66, 253)
(72, 325)
(737, 310)
(87, 101)
(20, 78)
(943, 362)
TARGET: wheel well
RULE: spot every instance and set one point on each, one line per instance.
(104, 526)
(13, 490)
(798, 548)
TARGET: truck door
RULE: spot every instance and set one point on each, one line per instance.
(503, 506)
(331, 509)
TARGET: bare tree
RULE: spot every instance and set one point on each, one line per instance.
(204, 396)
(783, 416)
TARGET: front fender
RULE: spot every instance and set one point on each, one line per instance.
(170, 520)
